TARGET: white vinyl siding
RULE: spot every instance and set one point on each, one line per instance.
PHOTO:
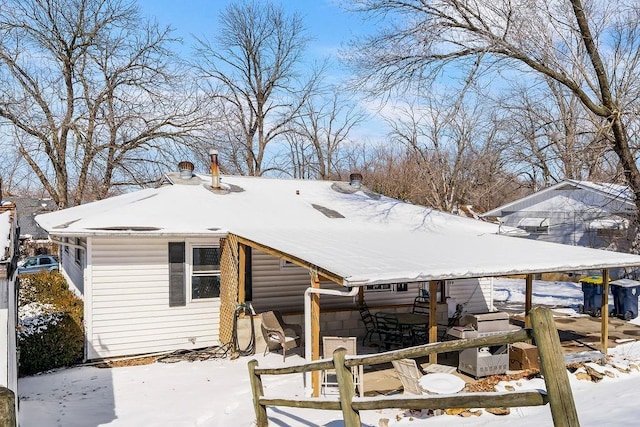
(476, 295)
(130, 313)
(72, 270)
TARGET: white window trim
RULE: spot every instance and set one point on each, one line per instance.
(189, 271)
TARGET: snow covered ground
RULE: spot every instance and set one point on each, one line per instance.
(217, 392)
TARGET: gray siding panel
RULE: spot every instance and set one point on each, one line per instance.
(282, 288)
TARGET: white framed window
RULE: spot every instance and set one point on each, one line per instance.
(204, 277)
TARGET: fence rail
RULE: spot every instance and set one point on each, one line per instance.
(552, 366)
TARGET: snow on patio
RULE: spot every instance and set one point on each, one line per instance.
(217, 392)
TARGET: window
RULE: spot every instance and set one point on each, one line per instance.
(78, 252)
(535, 225)
(205, 272)
(609, 227)
(284, 264)
(193, 270)
(378, 288)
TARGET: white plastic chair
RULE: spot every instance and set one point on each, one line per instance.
(409, 375)
(329, 378)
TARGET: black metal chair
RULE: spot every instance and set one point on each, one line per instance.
(421, 332)
(369, 323)
(392, 335)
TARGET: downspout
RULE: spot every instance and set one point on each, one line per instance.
(307, 324)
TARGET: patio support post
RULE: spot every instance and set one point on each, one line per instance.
(528, 300)
(433, 317)
(604, 312)
(315, 333)
(361, 295)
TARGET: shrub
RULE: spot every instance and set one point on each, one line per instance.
(50, 332)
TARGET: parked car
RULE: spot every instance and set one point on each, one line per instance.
(34, 264)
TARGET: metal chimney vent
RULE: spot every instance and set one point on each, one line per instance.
(186, 169)
(355, 180)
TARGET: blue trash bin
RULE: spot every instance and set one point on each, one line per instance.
(592, 290)
(625, 298)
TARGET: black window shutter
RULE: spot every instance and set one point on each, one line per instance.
(177, 286)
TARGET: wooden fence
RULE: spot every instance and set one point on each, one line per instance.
(552, 366)
(7, 408)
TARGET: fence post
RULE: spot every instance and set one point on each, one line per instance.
(553, 368)
(257, 390)
(7, 408)
(347, 388)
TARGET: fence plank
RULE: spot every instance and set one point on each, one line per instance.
(460, 400)
(7, 408)
(552, 366)
(297, 402)
(439, 347)
(258, 391)
(347, 388)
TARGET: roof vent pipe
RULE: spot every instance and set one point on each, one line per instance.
(215, 170)
(355, 180)
(186, 169)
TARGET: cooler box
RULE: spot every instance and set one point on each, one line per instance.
(523, 356)
(625, 298)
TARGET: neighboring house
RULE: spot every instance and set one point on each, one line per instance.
(8, 296)
(34, 240)
(578, 213)
(165, 268)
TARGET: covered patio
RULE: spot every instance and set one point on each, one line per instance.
(356, 257)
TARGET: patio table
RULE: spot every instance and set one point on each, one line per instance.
(409, 322)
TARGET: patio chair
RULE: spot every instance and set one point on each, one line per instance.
(329, 377)
(421, 305)
(369, 322)
(278, 334)
(409, 375)
(421, 332)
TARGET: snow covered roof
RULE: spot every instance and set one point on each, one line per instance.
(609, 191)
(356, 235)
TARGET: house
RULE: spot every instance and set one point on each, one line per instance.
(165, 268)
(8, 297)
(34, 239)
(579, 213)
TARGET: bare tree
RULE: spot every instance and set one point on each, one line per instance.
(253, 69)
(451, 148)
(89, 89)
(319, 132)
(591, 50)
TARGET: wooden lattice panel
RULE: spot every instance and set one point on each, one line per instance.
(228, 286)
